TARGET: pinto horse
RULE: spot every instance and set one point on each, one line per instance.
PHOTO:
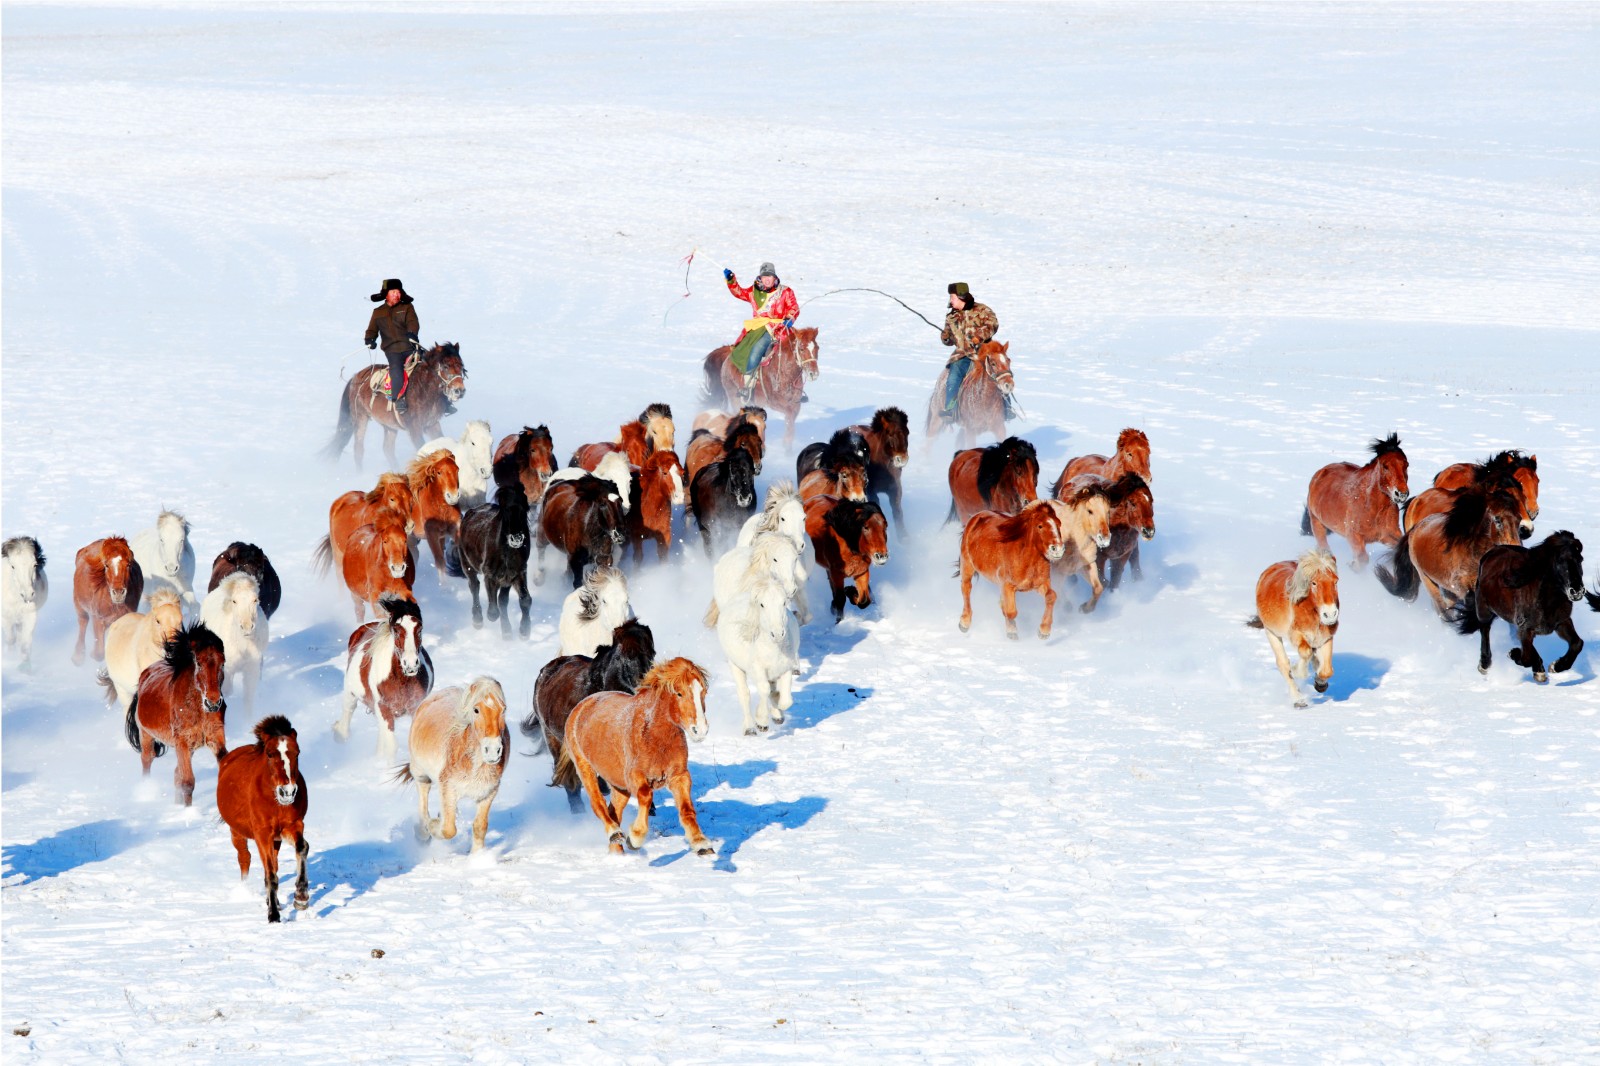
(981, 403)
(656, 488)
(106, 584)
(387, 669)
(435, 482)
(1525, 468)
(354, 509)
(377, 562)
(1132, 457)
(253, 561)
(1015, 552)
(1297, 604)
(1003, 477)
(706, 448)
(1360, 503)
(888, 440)
(179, 704)
(722, 496)
(635, 744)
(527, 458)
(1441, 552)
(493, 547)
(459, 742)
(439, 380)
(567, 680)
(780, 380)
(261, 795)
(585, 519)
(848, 538)
(1533, 589)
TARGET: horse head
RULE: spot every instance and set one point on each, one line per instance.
(1392, 468)
(622, 664)
(1010, 467)
(198, 650)
(24, 563)
(740, 471)
(512, 504)
(604, 595)
(172, 536)
(996, 360)
(241, 599)
(393, 493)
(1047, 522)
(1133, 505)
(437, 472)
(746, 436)
(894, 429)
(390, 547)
(450, 370)
(804, 342)
(1564, 553)
(405, 624)
(659, 431)
(275, 739)
(681, 685)
(1088, 498)
(117, 564)
(1316, 576)
(1133, 452)
(674, 467)
(483, 712)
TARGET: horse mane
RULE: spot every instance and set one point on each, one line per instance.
(270, 727)
(1014, 529)
(673, 676)
(655, 410)
(1381, 446)
(162, 597)
(385, 481)
(510, 497)
(97, 574)
(778, 494)
(426, 467)
(446, 349)
(1124, 487)
(885, 418)
(227, 584)
(596, 578)
(1085, 487)
(1539, 560)
(480, 687)
(526, 440)
(168, 513)
(846, 445)
(31, 545)
(184, 646)
(1505, 463)
(848, 518)
(1466, 515)
(1130, 436)
(1310, 566)
(625, 660)
(396, 608)
(697, 434)
(994, 460)
(740, 432)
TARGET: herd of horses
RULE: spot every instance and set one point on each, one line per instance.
(616, 720)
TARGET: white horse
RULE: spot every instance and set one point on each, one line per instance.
(23, 590)
(613, 468)
(233, 612)
(589, 614)
(473, 451)
(134, 641)
(784, 513)
(164, 554)
(771, 554)
(762, 642)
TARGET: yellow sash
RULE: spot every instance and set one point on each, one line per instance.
(761, 322)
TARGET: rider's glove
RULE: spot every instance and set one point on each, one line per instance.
(727, 275)
(372, 344)
(788, 323)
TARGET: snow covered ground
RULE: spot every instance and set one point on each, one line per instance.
(1263, 234)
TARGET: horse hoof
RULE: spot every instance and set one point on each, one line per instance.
(1540, 677)
(964, 626)
(1044, 634)
(302, 903)
(1302, 703)
(749, 730)
(77, 658)
(1086, 608)
(272, 916)
(616, 842)
(1483, 668)
(1320, 686)
(705, 849)
(1011, 634)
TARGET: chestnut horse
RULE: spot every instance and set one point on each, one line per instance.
(889, 449)
(780, 380)
(1525, 468)
(106, 584)
(848, 539)
(1015, 552)
(179, 704)
(459, 741)
(435, 482)
(355, 509)
(1533, 589)
(584, 519)
(653, 430)
(635, 745)
(1132, 457)
(981, 403)
(1360, 503)
(527, 458)
(439, 380)
(1084, 510)
(1003, 477)
(567, 679)
(253, 561)
(1432, 501)
(1442, 551)
(387, 669)
(261, 795)
(1133, 518)
(376, 563)
(1297, 604)
(657, 487)
(847, 483)
(706, 448)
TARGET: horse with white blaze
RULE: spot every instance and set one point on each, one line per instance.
(23, 590)
(388, 670)
(233, 612)
(164, 554)
(589, 615)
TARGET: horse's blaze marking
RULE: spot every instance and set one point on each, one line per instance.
(408, 645)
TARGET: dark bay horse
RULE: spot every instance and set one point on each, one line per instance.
(1534, 590)
(780, 380)
(721, 496)
(848, 539)
(253, 561)
(1441, 552)
(1360, 503)
(981, 403)
(179, 704)
(888, 440)
(584, 518)
(261, 795)
(106, 584)
(1003, 477)
(527, 458)
(439, 380)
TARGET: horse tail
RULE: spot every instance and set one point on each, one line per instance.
(322, 558)
(711, 391)
(104, 678)
(1401, 580)
(131, 725)
(565, 773)
(1305, 521)
(531, 726)
(342, 432)
(1592, 598)
(712, 614)
(452, 558)
(1255, 622)
(401, 775)
(951, 517)
(1464, 615)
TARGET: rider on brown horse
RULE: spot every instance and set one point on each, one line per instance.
(395, 321)
(968, 326)
(775, 309)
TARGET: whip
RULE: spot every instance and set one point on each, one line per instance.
(880, 292)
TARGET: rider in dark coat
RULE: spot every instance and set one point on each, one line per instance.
(395, 323)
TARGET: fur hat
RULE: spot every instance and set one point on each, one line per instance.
(767, 268)
(959, 288)
(383, 290)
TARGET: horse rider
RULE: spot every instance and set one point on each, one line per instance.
(968, 326)
(775, 309)
(395, 323)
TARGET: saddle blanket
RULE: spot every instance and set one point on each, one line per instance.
(379, 381)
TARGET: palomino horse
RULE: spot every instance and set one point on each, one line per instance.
(493, 548)
(1015, 552)
(166, 557)
(179, 704)
(1525, 468)
(233, 612)
(1084, 510)
(780, 380)
(1133, 518)
(981, 403)
(1132, 457)
(376, 563)
(889, 448)
(565, 681)
(1442, 551)
(591, 614)
(354, 509)
(439, 380)
(1360, 503)
(134, 641)
(635, 744)
(1533, 589)
(848, 539)
(253, 561)
(762, 642)
(474, 462)
(706, 447)
(1003, 477)
(656, 488)
(106, 584)
(1297, 604)
(261, 795)
(652, 431)
(23, 590)
(435, 482)
(388, 670)
(459, 741)
(527, 458)
(586, 520)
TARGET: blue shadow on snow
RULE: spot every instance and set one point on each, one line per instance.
(77, 846)
(358, 866)
(731, 822)
(1354, 673)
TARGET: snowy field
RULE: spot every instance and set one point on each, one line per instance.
(1264, 235)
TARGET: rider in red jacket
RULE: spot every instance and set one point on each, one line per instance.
(774, 309)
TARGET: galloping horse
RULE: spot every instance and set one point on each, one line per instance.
(889, 449)
(388, 669)
(585, 519)
(780, 380)
(1533, 589)
(1525, 468)
(1015, 552)
(1083, 506)
(1003, 477)
(439, 379)
(657, 487)
(1433, 500)
(253, 561)
(106, 584)
(1442, 551)
(652, 431)
(459, 742)
(1132, 457)
(527, 458)
(179, 703)
(376, 562)
(493, 547)
(354, 509)
(24, 588)
(1131, 519)
(848, 540)
(261, 795)
(706, 447)
(1297, 603)
(1360, 503)
(435, 482)
(981, 403)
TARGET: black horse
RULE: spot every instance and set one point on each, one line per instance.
(1533, 589)
(493, 545)
(722, 496)
(847, 447)
(253, 561)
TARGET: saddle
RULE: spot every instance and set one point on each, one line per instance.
(379, 379)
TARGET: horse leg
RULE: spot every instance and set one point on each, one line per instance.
(389, 437)
(341, 725)
(863, 597)
(741, 683)
(360, 606)
(1569, 633)
(540, 543)
(784, 688)
(1530, 656)
(789, 418)
(1319, 529)
(1283, 668)
(358, 420)
(386, 741)
(597, 802)
(763, 687)
(1302, 666)
(147, 750)
(1095, 584)
(83, 624)
(252, 678)
(894, 506)
(836, 580)
(302, 890)
(1485, 656)
(619, 803)
(183, 773)
(1359, 560)
(680, 783)
(1049, 608)
(1324, 666)
(268, 845)
(491, 596)
(1133, 561)
(641, 823)
(1008, 607)
(100, 626)
(1434, 591)
(427, 825)
(480, 821)
(241, 844)
(477, 611)
(524, 601)
(966, 593)
(504, 602)
(447, 809)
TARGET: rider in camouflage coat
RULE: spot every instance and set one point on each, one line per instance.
(968, 326)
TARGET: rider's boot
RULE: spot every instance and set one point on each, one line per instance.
(1011, 408)
(399, 402)
(747, 390)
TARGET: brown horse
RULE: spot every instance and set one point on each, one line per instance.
(1360, 503)
(706, 448)
(179, 704)
(106, 584)
(527, 458)
(355, 509)
(635, 744)
(657, 487)
(435, 482)
(848, 539)
(1003, 477)
(846, 483)
(1084, 510)
(459, 741)
(377, 562)
(1015, 552)
(1432, 501)
(638, 440)
(780, 380)
(1441, 552)
(1525, 468)
(1297, 603)
(1534, 590)
(721, 423)
(439, 380)
(262, 796)
(1132, 457)
(1131, 519)
(584, 519)
(981, 403)
(889, 449)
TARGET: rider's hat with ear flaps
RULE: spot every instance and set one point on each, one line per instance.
(959, 288)
(383, 290)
